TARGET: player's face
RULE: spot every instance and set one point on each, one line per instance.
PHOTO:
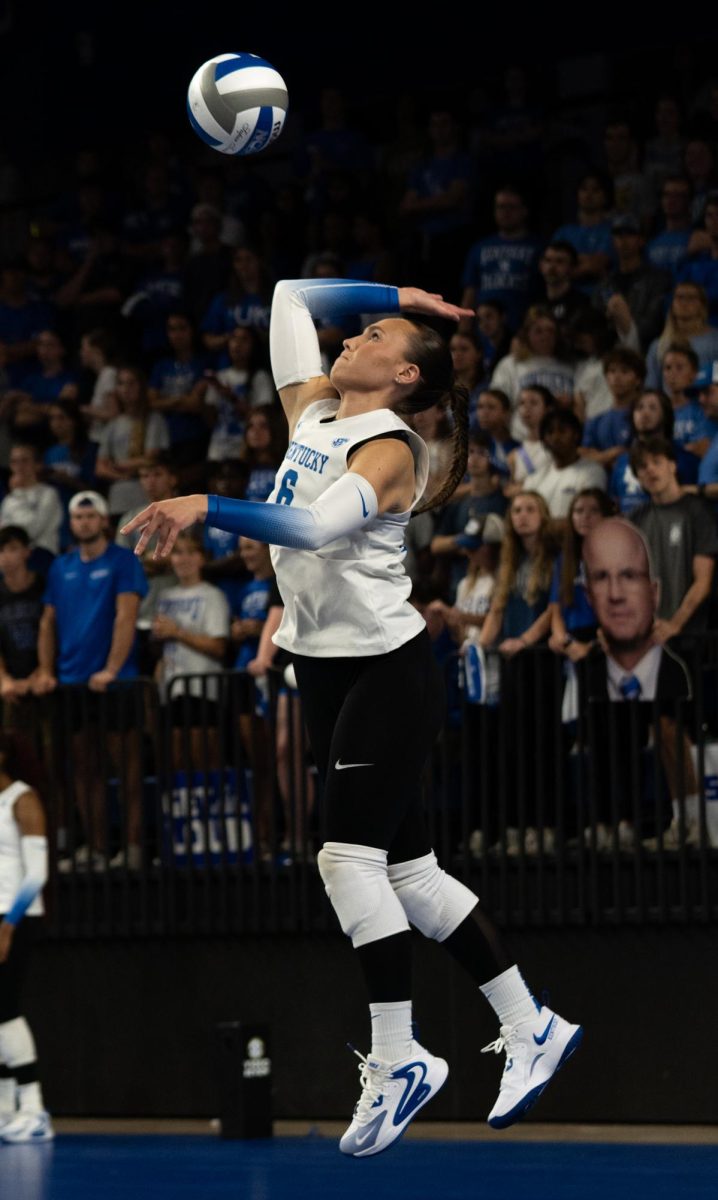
(526, 516)
(86, 525)
(542, 337)
(586, 515)
(648, 414)
(532, 409)
(623, 596)
(375, 359)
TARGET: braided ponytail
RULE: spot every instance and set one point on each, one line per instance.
(436, 386)
(458, 400)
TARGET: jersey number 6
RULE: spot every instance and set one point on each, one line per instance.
(285, 495)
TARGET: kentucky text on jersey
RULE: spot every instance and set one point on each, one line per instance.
(304, 456)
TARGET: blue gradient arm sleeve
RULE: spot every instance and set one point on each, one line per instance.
(346, 506)
(34, 861)
(292, 337)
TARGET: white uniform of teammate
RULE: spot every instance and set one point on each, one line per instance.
(12, 869)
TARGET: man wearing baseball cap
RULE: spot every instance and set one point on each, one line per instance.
(87, 635)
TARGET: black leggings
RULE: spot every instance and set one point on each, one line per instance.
(372, 724)
(13, 971)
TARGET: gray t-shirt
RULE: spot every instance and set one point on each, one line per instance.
(676, 533)
(115, 444)
(203, 609)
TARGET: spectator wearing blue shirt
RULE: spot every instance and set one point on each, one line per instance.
(590, 233)
(30, 404)
(702, 267)
(707, 485)
(246, 301)
(159, 292)
(687, 321)
(493, 418)
(225, 565)
(504, 265)
(669, 247)
(650, 415)
(22, 317)
(173, 391)
(154, 218)
(493, 330)
(608, 434)
(437, 203)
(692, 429)
(265, 439)
(87, 636)
(69, 462)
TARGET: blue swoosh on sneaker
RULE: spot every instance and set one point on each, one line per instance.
(540, 1040)
(415, 1092)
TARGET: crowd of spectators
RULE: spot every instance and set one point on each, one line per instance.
(134, 365)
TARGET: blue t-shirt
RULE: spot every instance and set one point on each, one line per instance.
(157, 296)
(219, 543)
(626, 490)
(691, 423)
(504, 269)
(20, 324)
(588, 239)
(45, 389)
(435, 176)
(704, 344)
(253, 604)
(608, 429)
(668, 249)
(225, 313)
(260, 483)
(578, 614)
(174, 378)
(84, 596)
(708, 469)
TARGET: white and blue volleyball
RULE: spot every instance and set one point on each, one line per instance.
(237, 103)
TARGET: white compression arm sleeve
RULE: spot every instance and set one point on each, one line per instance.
(34, 860)
(346, 506)
(293, 340)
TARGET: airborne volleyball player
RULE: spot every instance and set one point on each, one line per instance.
(371, 691)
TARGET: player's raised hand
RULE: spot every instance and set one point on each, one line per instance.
(431, 304)
(166, 518)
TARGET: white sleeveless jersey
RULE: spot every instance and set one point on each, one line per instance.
(350, 598)
(11, 868)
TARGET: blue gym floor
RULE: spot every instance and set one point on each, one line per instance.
(121, 1167)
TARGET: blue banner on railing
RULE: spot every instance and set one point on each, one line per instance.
(209, 819)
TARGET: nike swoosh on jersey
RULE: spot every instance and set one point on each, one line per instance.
(340, 766)
(540, 1040)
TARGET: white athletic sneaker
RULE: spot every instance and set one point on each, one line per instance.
(535, 1050)
(392, 1093)
(28, 1127)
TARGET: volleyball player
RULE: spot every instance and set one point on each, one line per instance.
(371, 691)
(23, 873)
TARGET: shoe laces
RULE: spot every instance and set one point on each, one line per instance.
(372, 1080)
(505, 1041)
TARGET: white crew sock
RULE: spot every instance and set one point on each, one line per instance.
(691, 810)
(7, 1097)
(29, 1098)
(391, 1030)
(509, 997)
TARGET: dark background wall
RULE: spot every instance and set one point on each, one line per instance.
(129, 1028)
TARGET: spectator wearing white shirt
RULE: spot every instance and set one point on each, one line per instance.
(567, 473)
(32, 505)
(537, 357)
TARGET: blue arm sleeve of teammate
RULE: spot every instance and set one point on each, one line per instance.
(34, 861)
(297, 302)
(346, 506)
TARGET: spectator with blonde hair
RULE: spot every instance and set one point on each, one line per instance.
(687, 323)
(128, 440)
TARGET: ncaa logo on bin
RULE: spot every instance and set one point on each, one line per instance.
(255, 1048)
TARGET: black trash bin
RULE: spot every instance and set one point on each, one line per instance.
(245, 1080)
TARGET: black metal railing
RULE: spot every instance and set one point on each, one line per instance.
(198, 811)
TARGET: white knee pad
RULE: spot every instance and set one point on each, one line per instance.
(434, 902)
(355, 880)
(17, 1045)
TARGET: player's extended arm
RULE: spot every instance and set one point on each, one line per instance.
(33, 847)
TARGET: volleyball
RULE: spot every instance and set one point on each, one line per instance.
(237, 103)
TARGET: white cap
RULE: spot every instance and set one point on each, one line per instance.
(89, 500)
